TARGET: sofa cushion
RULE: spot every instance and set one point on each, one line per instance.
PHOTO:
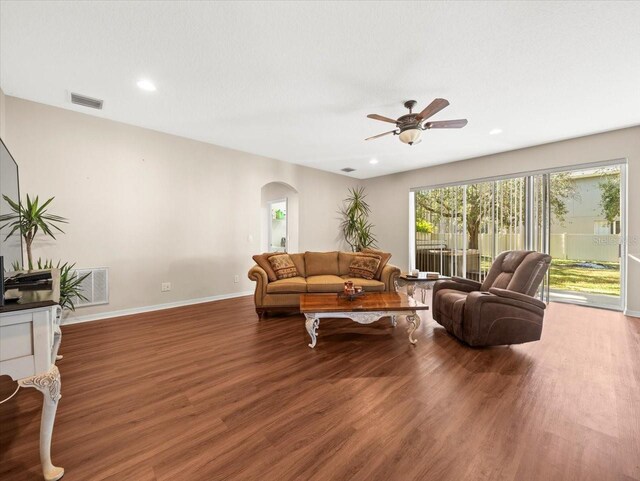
(321, 263)
(263, 261)
(283, 266)
(364, 266)
(298, 260)
(384, 258)
(368, 285)
(325, 283)
(287, 286)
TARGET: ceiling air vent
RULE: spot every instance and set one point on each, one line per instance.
(86, 101)
(347, 169)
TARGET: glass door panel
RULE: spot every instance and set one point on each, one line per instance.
(440, 235)
(585, 236)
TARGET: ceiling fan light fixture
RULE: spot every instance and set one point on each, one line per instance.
(410, 136)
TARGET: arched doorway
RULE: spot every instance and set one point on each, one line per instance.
(279, 214)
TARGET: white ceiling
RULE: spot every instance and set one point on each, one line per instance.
(295, 81)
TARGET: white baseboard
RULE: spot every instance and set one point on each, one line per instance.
(156, 307)
(629, 313)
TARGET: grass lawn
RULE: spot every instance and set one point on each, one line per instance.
(565, 275)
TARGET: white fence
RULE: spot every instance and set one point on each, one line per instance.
(586, 247)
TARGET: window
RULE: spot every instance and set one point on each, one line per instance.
(601, 227)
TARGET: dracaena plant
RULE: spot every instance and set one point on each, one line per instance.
(29, 219)
(355, 225)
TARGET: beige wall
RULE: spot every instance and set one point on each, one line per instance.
(389, 195)
(154, 207)
(2, 114)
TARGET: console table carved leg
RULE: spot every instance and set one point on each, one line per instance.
(49, 385)
(312, 324)
(57, 336)
(414, 322)
(394, 321)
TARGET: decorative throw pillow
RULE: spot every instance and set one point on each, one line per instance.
(283, 266)
(384, 258)
(364, 266)
(263, 261)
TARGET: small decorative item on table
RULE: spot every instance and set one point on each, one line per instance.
(350, 291)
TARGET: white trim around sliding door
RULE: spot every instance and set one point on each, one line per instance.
(624, 258)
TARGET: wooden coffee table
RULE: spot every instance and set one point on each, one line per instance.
(363, 310)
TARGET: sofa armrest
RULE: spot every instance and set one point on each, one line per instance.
(517, 296)
(389, 275)
(259, 275)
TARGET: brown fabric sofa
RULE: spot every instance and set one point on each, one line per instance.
(501, 310)
(319, 272)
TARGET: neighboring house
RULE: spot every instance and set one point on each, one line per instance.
(584, 212)
(585, 233)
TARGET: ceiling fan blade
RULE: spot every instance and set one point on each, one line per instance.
(381, 117)
(433, 108)
(380, 135)
(446, 124)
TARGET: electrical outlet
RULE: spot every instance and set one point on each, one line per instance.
(236, 278)
(165, 287)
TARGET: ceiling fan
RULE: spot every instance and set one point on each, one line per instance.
(410, 126)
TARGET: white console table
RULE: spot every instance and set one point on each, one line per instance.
(29, 340)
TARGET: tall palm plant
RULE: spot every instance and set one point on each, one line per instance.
(30, 219)
(355, 225)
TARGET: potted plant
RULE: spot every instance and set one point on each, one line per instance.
(30, 219)
(355, 225)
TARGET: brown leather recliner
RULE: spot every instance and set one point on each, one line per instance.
(501, 310)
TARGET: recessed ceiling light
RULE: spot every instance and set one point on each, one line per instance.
(495, 132)
(373, 161)
(147, 85)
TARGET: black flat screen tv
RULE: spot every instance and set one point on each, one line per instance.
(10, 247)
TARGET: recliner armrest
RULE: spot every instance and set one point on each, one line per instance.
(517, 296)
(462, 280)
(451, 284)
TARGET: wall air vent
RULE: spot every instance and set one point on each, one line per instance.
(347, 169)
(95, 287)
(86, 101)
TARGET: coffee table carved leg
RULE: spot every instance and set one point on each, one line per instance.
(49, 385)
(414, 322)
(312, 324)
(394, 321)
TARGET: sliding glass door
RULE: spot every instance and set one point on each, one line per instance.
(573, 215)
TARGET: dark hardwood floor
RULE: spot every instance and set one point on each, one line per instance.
(209, 393)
